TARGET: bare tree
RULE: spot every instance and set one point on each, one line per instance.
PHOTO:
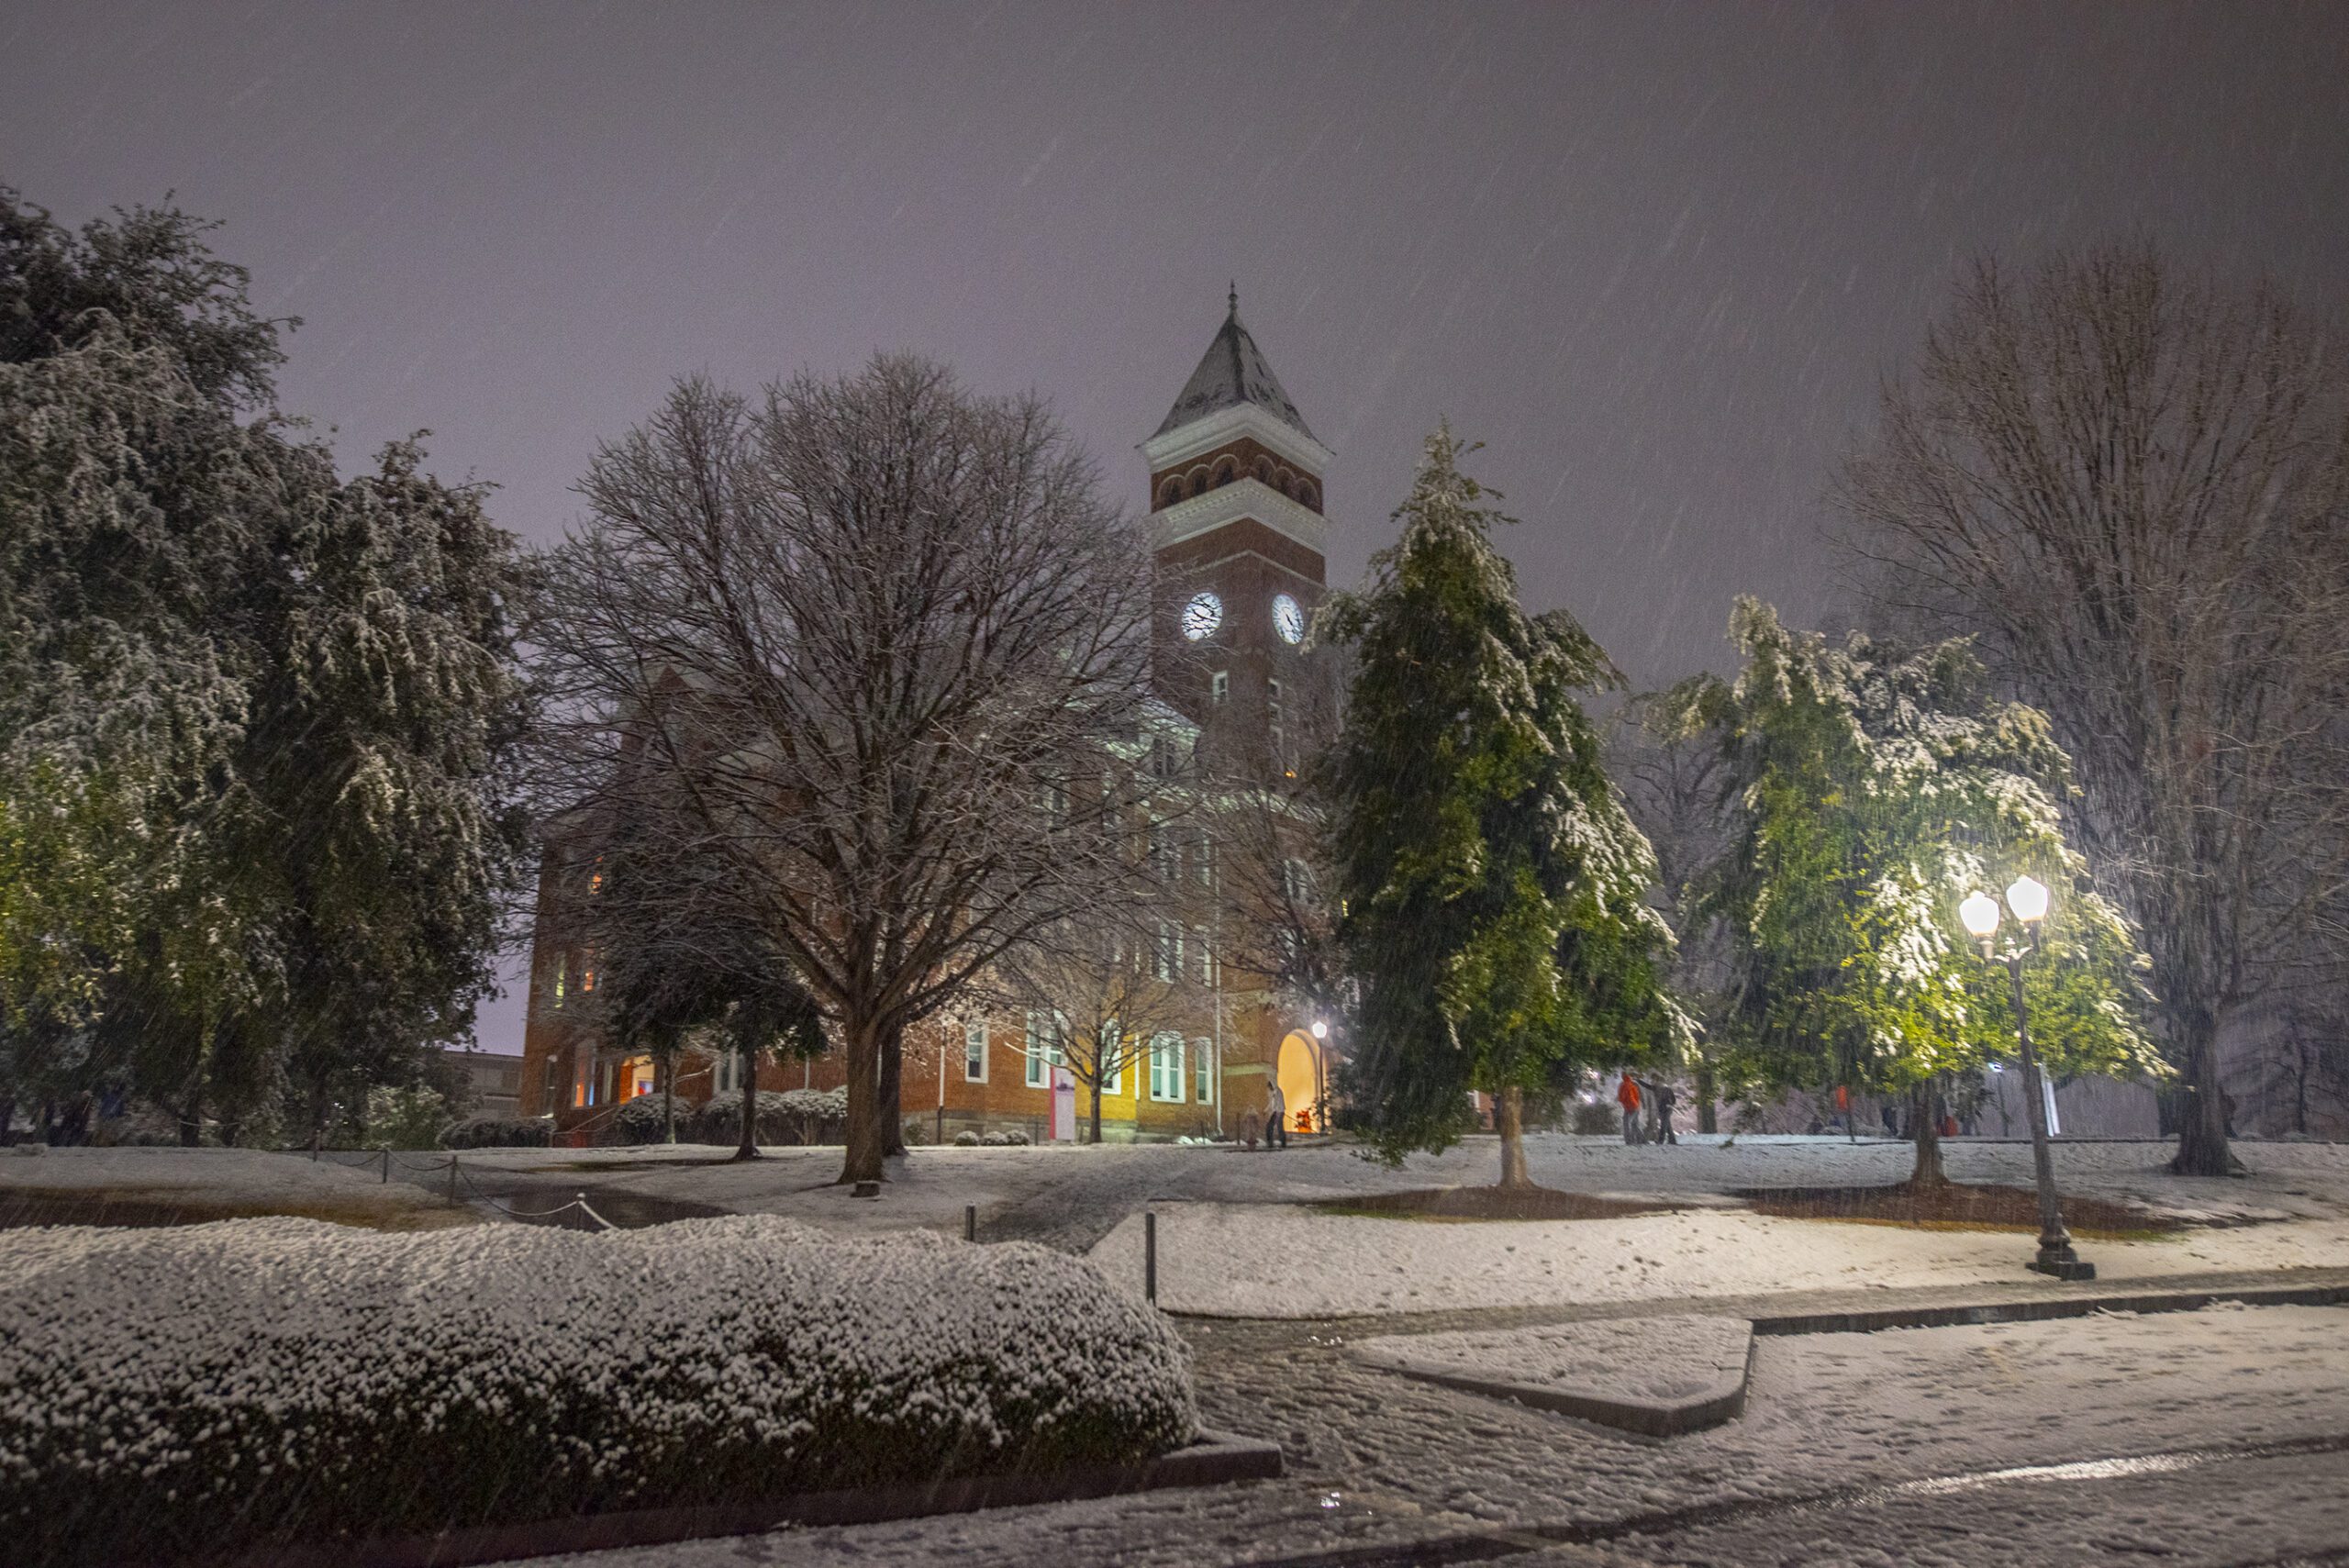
(873, 639)
(1098, 995)
(2132, 487)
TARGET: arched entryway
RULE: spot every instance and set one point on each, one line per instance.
(1300, 1079)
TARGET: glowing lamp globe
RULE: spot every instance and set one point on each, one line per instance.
(2028, 899)
(1979, 914)
(1320, 1030)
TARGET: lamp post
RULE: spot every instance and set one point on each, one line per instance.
(2028, 900)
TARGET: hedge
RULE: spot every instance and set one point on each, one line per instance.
(185, 1396)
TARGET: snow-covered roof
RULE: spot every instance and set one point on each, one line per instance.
(1233, 372)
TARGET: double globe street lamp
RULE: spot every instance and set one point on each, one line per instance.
(2027, 899)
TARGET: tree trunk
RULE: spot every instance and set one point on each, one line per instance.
(750, 1145)
(867, 1143)
(2202, 1105)
(1925, 1126)
(191, 1118)
(893, 1092)
(1706, 1120)
(669, 1098)
(1097, 1107)
(1511, 1119)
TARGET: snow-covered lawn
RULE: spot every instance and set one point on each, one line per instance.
(1278, 1261)
(173, 1394)
(197, 1185)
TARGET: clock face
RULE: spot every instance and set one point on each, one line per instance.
(1202, 616)
(1288, 618)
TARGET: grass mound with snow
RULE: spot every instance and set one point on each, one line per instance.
(190, 1395)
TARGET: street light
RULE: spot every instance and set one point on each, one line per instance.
(1320, 1030)
(1979, 914)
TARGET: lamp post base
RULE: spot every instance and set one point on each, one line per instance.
(2064, 1266)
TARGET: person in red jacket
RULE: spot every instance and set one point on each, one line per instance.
(1626, 1094)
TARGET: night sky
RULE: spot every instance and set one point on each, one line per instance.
(1657, 258)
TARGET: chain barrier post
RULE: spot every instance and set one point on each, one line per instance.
(452, 1181)
(387, 1167)
(970, 1222)
(1150, 1256)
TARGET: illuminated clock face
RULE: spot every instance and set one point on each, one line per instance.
(1202, 616)
(1288, 618)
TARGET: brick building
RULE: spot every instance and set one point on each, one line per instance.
(1235, 486)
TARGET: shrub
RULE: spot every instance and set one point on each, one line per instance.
(966, 1138)
(194, 1395)
(792, 1116)
(1004, 1140)
(1603, 1116)
(643, 1120)
(497, 1132)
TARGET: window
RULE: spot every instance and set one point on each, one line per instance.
(721, 1076)
(1167, 960)
(561, 971)
(1273, 724)
(596, 883)
(1043, 1047)
(587, 980)
(1170, 493)
(1203, 858)
(1166, 1066)
(1225, 473)
(974, 1052)
(1206, 955)
(1053, 798)
(1219, 687)
(1203, 1058)
(1166, 761)
(1165, 854)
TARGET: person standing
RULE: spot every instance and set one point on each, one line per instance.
(1664, 1096)
(1626, 1094)
(1276, 1117)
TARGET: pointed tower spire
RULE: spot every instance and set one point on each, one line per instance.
(1233, 372)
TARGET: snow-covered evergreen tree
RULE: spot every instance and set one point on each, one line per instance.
(254, 720)
(1493, 889)
(1876, 789)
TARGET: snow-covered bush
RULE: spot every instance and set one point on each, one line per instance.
(791, 1116)
(966, 1138)
(644, 1119)
(499, 1132)
(188, 1396)
(1004, 1140)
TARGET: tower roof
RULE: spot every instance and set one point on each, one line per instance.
(1233, 372)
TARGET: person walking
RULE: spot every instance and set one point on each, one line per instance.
(1276, 1117)
(1626, 1094)
(1665, 1096)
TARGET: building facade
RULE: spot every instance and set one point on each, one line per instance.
(1235, 480)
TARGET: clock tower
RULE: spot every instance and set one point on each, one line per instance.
(1236, 520)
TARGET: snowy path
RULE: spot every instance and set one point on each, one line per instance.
(1381, 1460)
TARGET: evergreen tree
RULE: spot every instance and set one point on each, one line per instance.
(1493, 889)
(255, 719)
(1876, 790)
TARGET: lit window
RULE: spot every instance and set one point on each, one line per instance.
(561, 965)
(1203, 1058)
(1168, 959)
(974, 1052)
(1166, 1067)
(1043, 1048)
(1206, 957)
(1219, 686)
(587, 980)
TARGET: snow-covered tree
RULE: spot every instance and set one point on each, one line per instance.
(882, 636)
(1876, 790)
(1493, 889)
(2129, 484)
(256, 722)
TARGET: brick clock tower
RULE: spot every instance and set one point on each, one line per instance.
(1235, 486)
(1239, 535)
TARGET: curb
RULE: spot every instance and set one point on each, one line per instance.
(2030, 1311)
(1650, 1419)
(1214, 1459)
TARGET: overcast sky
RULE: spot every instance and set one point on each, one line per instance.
(1656, 258)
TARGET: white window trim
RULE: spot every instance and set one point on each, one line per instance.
(978, 1032)
(1202, 1084)
(1166, 1066)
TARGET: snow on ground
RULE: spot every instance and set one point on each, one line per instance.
(1071, 1196)
(1378, 1458)
(212, 1184)
(1665, 1359)
(1278, 1261)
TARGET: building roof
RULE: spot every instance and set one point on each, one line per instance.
(1233, 372)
